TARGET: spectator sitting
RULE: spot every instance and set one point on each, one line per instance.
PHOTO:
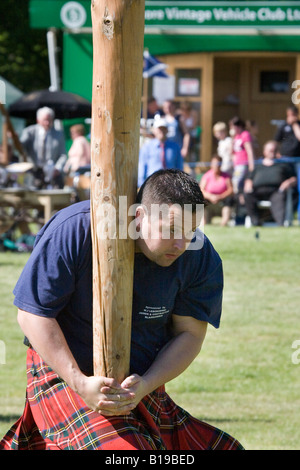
(270, 181)
(158, 153)
(80, 151)
(217, 188)
(224, 149)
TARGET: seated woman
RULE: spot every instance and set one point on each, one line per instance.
(217, 189)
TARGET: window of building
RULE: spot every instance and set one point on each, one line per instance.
(275, 81)
(272, 79)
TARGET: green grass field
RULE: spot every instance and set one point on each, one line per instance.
(244, 381)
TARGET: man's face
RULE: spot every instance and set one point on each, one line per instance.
(165, 234)
(270, 151)
(45, 120)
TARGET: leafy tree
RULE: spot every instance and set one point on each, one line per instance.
(23, 50)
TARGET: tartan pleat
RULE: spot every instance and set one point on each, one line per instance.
(56, 418)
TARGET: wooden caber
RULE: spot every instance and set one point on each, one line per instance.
(118, 40)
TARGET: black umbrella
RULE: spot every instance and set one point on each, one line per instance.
(65, 105)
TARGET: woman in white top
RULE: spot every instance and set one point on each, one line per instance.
(80, 152)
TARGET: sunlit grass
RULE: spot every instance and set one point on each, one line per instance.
(243, 381)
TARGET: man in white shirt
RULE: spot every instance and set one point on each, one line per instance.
(45, 147)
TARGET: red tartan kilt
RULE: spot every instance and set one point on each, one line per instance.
(56, 418)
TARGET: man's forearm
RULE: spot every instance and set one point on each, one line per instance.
(178, 354)
(47, 339)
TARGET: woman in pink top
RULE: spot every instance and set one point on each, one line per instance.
(243, 154)
(217, 189)
(80, 152)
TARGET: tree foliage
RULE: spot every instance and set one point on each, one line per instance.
(23, 50)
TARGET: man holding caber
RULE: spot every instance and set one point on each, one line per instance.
(177, 291)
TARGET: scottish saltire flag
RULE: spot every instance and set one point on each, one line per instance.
(153, 67)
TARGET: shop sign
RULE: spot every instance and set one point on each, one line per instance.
(221, 14)
(60, 14)
(73, 15)
(174, 14)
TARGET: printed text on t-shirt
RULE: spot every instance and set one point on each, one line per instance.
(151, 313)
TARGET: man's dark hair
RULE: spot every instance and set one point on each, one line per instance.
(170, 187)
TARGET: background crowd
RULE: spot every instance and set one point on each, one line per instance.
(240, 174)
(234, 181)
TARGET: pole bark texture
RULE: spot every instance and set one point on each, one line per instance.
(118, 40)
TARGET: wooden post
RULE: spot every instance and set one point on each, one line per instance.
(14, 135)
(118, 40)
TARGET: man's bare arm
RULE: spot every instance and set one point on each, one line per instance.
(46, 337)
(179, 353)
(173, 359)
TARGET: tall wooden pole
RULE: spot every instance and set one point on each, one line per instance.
(118, 40)
(14, 135)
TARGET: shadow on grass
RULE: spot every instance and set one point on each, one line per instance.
(209, 419)
(8, 418)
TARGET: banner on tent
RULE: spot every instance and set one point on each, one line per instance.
(174, 14)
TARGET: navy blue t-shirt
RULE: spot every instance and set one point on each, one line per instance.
(57, 283)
